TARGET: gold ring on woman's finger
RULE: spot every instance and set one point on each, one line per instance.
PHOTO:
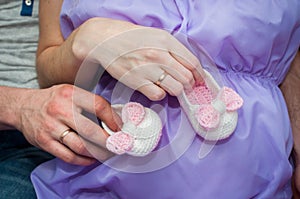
(161, 78)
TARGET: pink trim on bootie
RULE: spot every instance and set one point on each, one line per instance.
(133, 112)
(199, 95)
(140, 132)
(211, 110)
(208, 117)
(231, 99)
(119, 143)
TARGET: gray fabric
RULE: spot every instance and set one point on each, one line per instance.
(18, 43)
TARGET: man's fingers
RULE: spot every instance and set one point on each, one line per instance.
(99, 153)
(98, 106)
(105, 113)
(73, 142)
(61, 151)
(91, 138)
(89, 129)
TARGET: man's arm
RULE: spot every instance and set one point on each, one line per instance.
(9, 98)
(43, 114)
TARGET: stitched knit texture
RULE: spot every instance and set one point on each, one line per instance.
(142, 125)
(119, 143)
(252, 51)
(199, 95)
(211, 110)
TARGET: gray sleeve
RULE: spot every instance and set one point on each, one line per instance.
(18, 43)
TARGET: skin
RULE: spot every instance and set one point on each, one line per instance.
(291, 91)
(43, 114)
(98, 40)
(59, 60)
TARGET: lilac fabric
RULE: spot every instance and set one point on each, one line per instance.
(252, 44)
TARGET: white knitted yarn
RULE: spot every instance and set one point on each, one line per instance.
(146, 134)
(228, 119)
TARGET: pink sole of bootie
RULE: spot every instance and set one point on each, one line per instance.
(211, 110)
(140, 133)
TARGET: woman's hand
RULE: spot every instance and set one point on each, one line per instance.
(149, 60)
(43, 115)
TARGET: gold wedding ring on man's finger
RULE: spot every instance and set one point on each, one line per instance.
(161, 78)
(64, 134)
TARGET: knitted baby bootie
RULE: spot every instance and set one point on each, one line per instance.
(211, 110)
(140, 132)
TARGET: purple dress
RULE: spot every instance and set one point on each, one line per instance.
(252, 43)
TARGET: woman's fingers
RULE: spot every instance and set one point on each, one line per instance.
(148, 46)
(171, 85)
(193, 65)
(152, 91)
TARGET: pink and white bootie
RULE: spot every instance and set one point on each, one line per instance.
(140, 132)
(211, 110)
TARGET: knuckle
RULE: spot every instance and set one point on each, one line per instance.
(48, 126)
(55, 109)
(151, 54)
(60, 102)
(65, 90)
(101, 106)
(42, 139)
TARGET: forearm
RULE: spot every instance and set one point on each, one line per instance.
(291, 90)
(10, 99)
(57, 64)
(58, 60)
